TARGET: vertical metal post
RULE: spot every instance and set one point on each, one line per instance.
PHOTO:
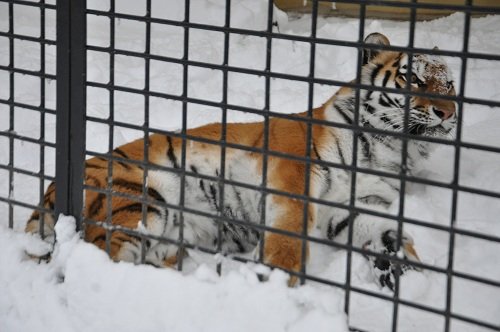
(11, 114)
(222, 173)
(111, 127)
(309, 143)
(355, 133)
(71, 105)
(265, 142)
(147, 65)
(41, 187)
(404, 163)
(456, 172)
(185, 71)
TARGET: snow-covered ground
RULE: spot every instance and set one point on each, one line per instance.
(82, 290)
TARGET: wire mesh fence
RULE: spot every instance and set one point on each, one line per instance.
(78, 194)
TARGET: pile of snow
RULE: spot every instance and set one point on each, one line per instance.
(80, 289)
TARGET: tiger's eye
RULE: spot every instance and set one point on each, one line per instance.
(414, 78)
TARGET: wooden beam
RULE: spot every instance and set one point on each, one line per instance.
(328, 8)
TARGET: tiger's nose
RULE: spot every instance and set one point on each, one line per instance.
(444, 113)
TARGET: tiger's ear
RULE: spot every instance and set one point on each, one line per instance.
(373, 38)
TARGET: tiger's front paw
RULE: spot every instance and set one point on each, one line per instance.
(43, 240)
(39, 250)
(383, 267)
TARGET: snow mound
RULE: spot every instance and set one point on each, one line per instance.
(80, 289)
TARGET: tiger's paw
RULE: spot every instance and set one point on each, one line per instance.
(41, 242)
(39, 250)
(383, 267)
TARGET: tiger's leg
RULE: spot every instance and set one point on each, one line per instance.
(128, 248)
(125, 247)
(167, 254)
(380, 235)
(122, 246)
(285, 251)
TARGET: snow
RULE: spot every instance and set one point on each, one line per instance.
(81, 289)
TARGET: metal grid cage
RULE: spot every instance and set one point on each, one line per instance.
(72, 117)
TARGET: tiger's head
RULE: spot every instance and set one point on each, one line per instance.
(428, 115)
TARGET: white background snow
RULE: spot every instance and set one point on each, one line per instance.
(81, 290)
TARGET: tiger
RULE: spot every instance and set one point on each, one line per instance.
(331, 136)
